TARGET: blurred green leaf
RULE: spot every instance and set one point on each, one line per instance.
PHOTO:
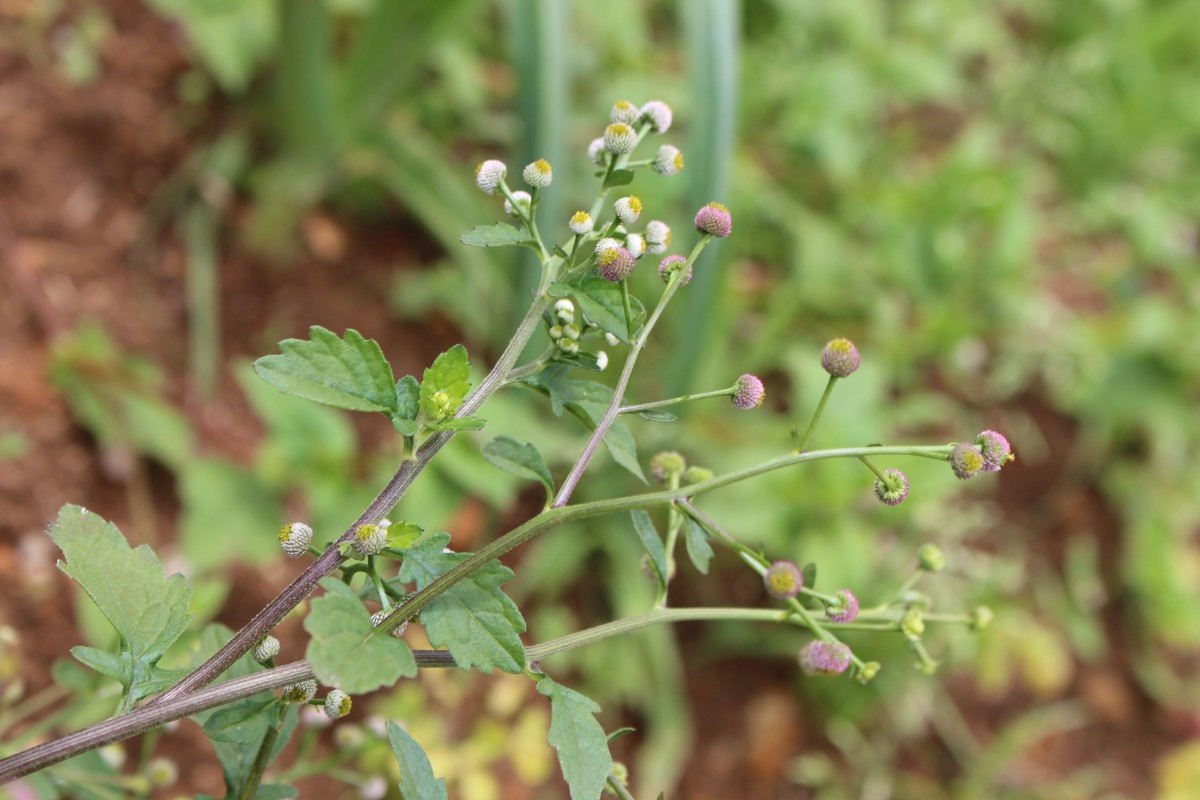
(499, 235)
(345, 651)
(646, 531)
(231, 37)
(417, 781)
(698, 548)
(522, 460)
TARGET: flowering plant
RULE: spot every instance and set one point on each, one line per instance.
(379, 574)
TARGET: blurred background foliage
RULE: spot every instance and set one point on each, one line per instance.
(995, 201)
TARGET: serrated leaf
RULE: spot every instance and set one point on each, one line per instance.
(345, 651)
(499, 235)
(698, 548)
(148, 609)
(652, 542)
(522, 460)
(618, 177)
(657, 416)
(417, 781)
(601, 302)
(348, 373)
(619, 442)
(445, 385)
(402, 534)
(579, 740)
(408, 398)
(474, 619)
(458, 424)
(561, 389)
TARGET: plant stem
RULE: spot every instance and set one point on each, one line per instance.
(812, 425)
(261, 759)
(674, 401)
(618, 788)
(874, 469)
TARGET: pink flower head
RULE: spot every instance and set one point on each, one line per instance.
(669, 265)
(714, 219)
(996, 450)
(966, 460)
(840, 358)
(824, 658)
(750, 392)
(846, 608)
(615, 264)
(893, 489)
(783, 579)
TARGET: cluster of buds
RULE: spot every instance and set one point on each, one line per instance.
(988, 453)
(565, 332)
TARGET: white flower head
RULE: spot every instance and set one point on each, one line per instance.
(564, 309)
(668, 160)
(658, 114)
(266, 649)
(581, 223)
(337, 704)
(619, 138)
(294, 538)
(597, 152)
(538, 174)
(568, 346)
(489, 174)
(606, 243)
(635, 244)
(658, 236)
(379, 616)
(624, 111)
(628, 209)
(523, 200)
(369, 540)
(602, 360)
(611, 338)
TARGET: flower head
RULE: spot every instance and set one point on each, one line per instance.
(782, 580)
(337, 704)
(966, 460)
(611, 338)
(369, 540)
(300, 692)
(602, 360)
(658, 114)
(635, 244)
(564, 309)
(824, 658)
(698, 474)
(750, 392)
(581, 223)
(538, 174)
(619, 138)
(379, 616)
(658, 236)
(672, 264)
(846, 608)
(607, 243)
(624, 111)
(162, 772)
(668, 160)
(995, 449)
(893, 489)
(615, 264)
(489, 174)
(930, 558)
(266, 649)
(294, 538)
(981, 618)
(523, 201)
(667, 463)
(597, 151)
(840, 358)
(628, 209)
(715, 220)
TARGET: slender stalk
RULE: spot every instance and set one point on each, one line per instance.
(812, 425)
(873, 468)
(674, 401)
(614, 785)
(261, 759)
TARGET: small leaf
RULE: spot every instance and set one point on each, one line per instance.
(619, 732)
(445, 385)
(698, 548)
(148, 609)
(417, 781)
(558, 251)
(522, 460)
(499, 235)
(345, 651)
(554, 383)
(579, 739)
(402, 534)
(474, 619)
(618, 177)
(348, 373)
(109, 664)
(657, 416)
(408, 397)
(809, 574)
(652, 542)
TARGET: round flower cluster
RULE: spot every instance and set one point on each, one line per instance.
(615, 264)
(524, 202)
(672, 264)
(538, 174)
(379, 616)
(750, 392)
(337, 704)
(369, 540)
(300, 692)
(667, 161)
(893, 489)
(966, 460)
(715, 220)
(840, 358)
(294, 538)
(995, 449)
(581, 223)
(667, 463)
(845, 609)
(489, 174)
(628, 209)
(783, 579)
(824, 658)
(266, 649)
(658, 236)
(625, 111)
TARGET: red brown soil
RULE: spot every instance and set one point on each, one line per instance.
(78, 167)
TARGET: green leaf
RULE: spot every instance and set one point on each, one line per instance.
(581, 360)
(618, 177)
(237, 731)
(601, 302)
(652, 542)
(417, 781)
(148, 609)
(657, 416)
(345, 651)
(499, 235)
(402, 534)
(809, 574)
(445, 385)
(474, 619)
(579, 739)
(408, 397)
(405, 427)
(458, 424)
(620, 443)
(698, 548)
(348, 373)
(562, 390)
(522, 460)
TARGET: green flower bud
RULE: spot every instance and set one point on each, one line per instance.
(930, 558)
(912, 625)
(981, 618)
(868, 672)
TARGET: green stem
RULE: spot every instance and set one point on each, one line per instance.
(812, 425)
(618, 788)
(261, 759)
(535, 366)
(628, 308)
(674, 401)
(874, 469)
(380, 589)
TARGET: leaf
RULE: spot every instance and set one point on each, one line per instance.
(148, 609)
(698, 548)
(348, 373)
(522, 460)
(499, 235)
(652, 542)
(474, 619)
(554, 383)
(237, 732)
(657, 416)
(620, 443)
(345, 651)
(619, 732)
(601, 302)
(581, 360)
(417, 781)
(445, 385)
(809, 574)
(579, 739)
(406, 427)
(402, 534)
(408, 398)
(618, 177)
